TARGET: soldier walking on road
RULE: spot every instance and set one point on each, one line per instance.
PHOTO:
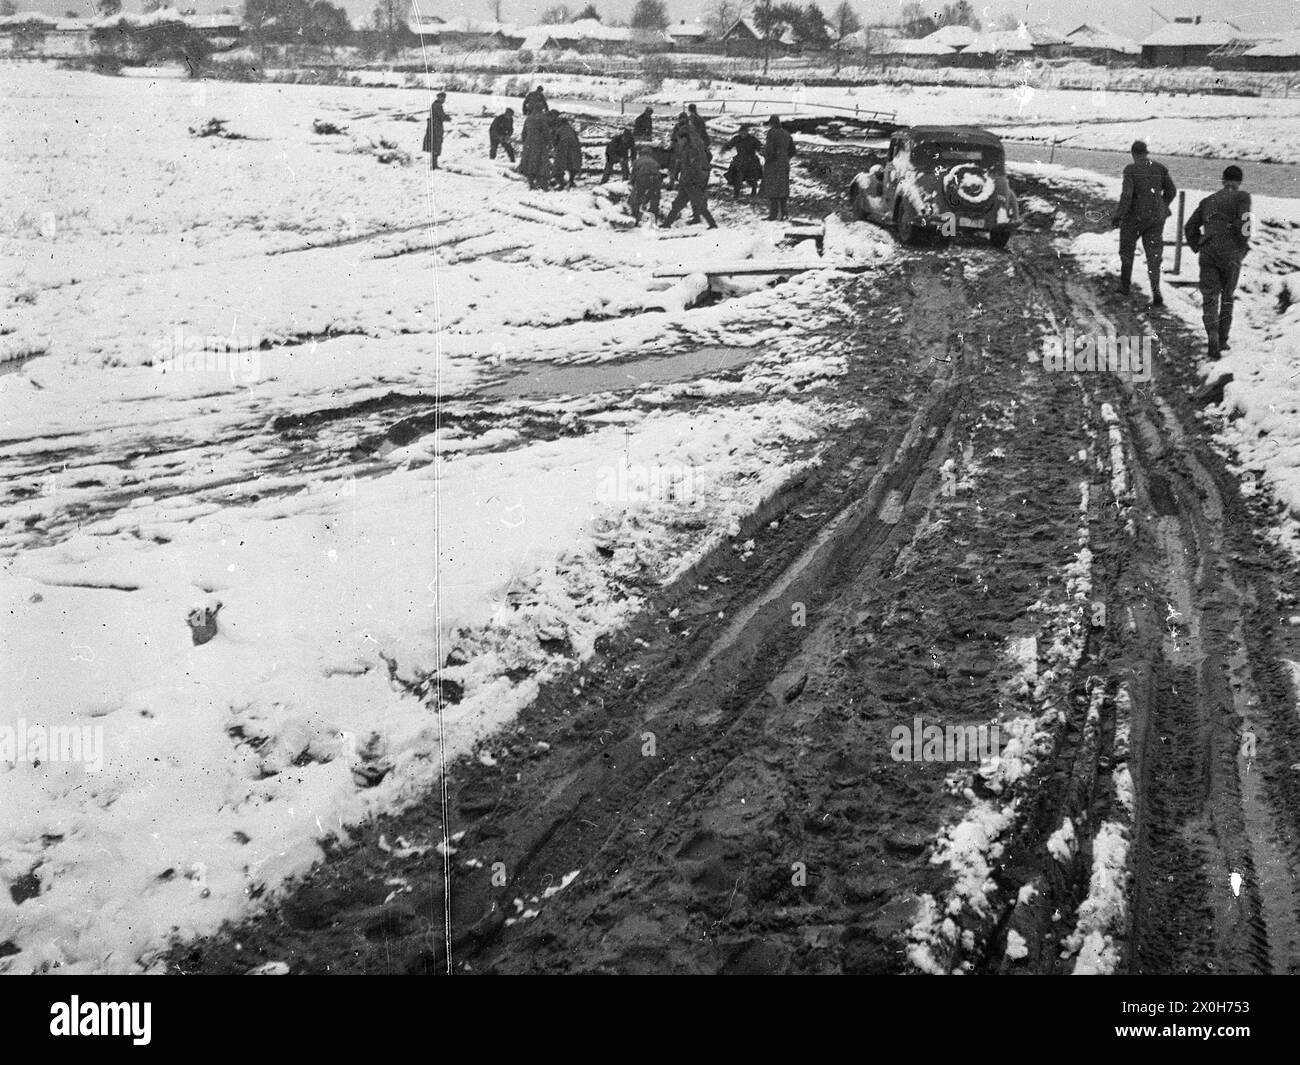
(1219, 231)
(433, 131)
(776, 170)
(500, 133)
(1143, 208)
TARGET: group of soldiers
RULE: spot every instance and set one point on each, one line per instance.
(550, 156)
(1218, 231)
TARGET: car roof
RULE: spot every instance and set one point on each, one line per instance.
(964, 134)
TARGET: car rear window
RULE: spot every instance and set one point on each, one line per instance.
(946, 155)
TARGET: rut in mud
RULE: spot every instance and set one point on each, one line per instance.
(721, 788)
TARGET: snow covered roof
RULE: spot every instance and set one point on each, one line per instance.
(1286, 46)
(914, 46)
(952, 35)
(691, 30)
(744, 24)
(213, 22)
(999, 41)
(1185, 34)
(27, 16)
(1098, 36)
(1041, 34)
(590, 29)
(436, 27)
(536, 38)
(131, 18)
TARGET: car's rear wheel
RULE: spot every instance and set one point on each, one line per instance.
(1000, 237)
(906, 226)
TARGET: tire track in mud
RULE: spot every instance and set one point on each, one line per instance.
(1208, 719)
(1193, 629)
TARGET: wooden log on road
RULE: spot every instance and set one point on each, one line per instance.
(754, 266)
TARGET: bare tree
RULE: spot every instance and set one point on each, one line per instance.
(649, 15)
(553, 16)
(766, 17)
(496, 7)
(722, 15)
(845, 21)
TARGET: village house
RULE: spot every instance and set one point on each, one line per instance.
(1186, 42)
(743, 38)
(1097, 44)
(688, 36)
(1268, 56)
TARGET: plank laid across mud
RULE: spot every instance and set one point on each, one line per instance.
(756, 267)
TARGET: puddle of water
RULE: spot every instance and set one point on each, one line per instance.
(548, 379)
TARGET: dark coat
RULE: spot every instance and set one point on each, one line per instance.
(700, 126)
(746, 166)
(620, 146)
(568, 150)
(646, 173)
(1220, 226)
(535, 156)
(535, 101)
(1148, 192)
(776, 163)
(502, 128)
(433, 131)
(644, 126)
(693, 164)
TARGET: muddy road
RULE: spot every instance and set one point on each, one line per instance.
(742, 780)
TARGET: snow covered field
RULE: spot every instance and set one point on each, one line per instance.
(219, 360)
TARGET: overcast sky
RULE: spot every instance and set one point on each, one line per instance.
(1135, 20)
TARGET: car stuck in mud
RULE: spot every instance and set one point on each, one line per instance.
(941, 180)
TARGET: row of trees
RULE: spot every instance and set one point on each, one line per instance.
(919, 21)
(809, 24)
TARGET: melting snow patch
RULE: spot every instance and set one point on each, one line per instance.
(1060, 845)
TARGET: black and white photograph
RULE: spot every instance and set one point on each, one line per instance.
(493, 487)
